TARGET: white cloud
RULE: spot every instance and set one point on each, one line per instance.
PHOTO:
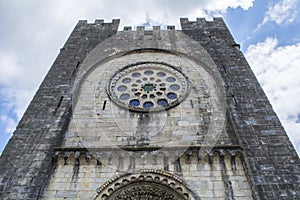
(10, 124)
(19, 80)
(135, 12)
(283, 12)
(277, 69)
(8, 68)
(223, 5)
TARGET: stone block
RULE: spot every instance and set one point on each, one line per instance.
(66, 194)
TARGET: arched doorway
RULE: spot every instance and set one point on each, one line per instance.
(146, 185)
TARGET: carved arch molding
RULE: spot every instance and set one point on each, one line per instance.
(146, 185)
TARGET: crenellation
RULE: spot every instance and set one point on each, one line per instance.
(82, 22)
(156, 28)
(127, 28)
(99, 24)
(201, 21)
(140, 28)
(184, 20)
(99, 21)
(171, 28)
(213, 31)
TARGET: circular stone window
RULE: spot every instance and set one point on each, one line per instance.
(148, 87)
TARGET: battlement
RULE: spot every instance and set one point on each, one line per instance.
(186, 24)
(114, 25)
(201, 23)
(143, 28)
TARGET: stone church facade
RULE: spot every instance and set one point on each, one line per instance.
(150, 114)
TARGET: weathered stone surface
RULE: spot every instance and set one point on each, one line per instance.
(60, 149)
(271, 162)
(29, 152)
(205, 180)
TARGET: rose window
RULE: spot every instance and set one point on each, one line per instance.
(148, 87)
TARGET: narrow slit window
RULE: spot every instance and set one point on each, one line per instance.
(104, 105)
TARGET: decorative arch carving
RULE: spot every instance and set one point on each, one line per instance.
(147, 184)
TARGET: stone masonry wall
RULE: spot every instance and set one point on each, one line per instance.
(271, 161)
(79, 175)
(97, 122)
(42, 153)
(26, 162)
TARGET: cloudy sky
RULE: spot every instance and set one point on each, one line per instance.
(33, 31)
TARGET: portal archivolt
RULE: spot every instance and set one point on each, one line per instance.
(146, 185)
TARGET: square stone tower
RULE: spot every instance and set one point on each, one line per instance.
(150, 114)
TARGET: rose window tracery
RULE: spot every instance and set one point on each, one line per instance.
(148, 87)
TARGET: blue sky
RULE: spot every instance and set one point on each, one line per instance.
(33, 31)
